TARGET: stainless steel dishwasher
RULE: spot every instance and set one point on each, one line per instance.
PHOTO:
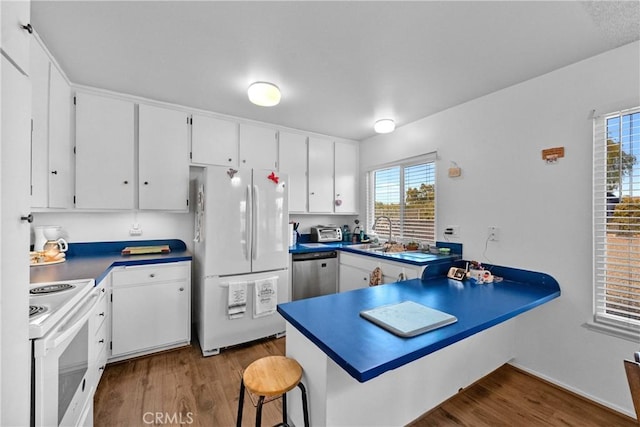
(314, 274)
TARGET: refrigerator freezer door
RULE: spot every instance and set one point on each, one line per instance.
(216, 330)
(270, 239)
(227, 234)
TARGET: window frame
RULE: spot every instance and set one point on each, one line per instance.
(603, 321)
(402, 164)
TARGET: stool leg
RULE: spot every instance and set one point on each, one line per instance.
(284, 409)
(305, 409)
(240, 404)
(259, 412)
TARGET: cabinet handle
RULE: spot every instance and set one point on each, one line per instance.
(27, 27)
(101, 342)
(101, 314)
(181, 289)
(126, 182)
(312, 193)
(54, 172)
(101, 368)
(152, 275)
(146, 183)
(244, 161)
(365, 278)
(230, 159)
(28, 218)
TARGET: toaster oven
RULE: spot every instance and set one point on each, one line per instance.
(323, 234)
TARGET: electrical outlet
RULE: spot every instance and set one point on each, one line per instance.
(452, 230)
(135, 230)
(494, 233)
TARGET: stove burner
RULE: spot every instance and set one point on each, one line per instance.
(36, 309)
(50, 289)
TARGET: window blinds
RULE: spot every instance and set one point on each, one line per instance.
(616, 219)
(404, 193)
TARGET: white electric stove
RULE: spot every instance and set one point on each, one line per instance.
(50, 302)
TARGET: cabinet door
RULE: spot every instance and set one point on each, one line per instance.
(148, 316)
(14, 265)
(214, 141)
(352, 278)
(320, 175)
(293, 161)
(346, 175)
(15, 39)
(104, 152)
(258, 147)
(163, 159)
(39, 77)
(60, 170)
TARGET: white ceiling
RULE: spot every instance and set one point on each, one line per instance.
(340, 65)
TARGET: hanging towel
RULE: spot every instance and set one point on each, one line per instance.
(375, 278)
(237, 304)
(266, 297)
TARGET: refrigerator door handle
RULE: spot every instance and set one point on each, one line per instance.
(248, 223)
(256, 222)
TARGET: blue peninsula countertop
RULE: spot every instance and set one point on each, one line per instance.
(93, 260)
(365, 350)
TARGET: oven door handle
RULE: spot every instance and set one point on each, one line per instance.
(74, 324)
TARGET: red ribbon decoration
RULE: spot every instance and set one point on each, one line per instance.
(273, 177)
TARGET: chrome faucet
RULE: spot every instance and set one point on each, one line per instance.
(389, 220)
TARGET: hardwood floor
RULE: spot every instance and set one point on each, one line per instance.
(510, 397)
(180, 387)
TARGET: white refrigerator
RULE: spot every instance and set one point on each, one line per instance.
(241, 255)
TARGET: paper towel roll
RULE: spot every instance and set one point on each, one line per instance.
(292, 236)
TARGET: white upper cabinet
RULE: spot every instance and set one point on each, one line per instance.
(214, 141)
(320, 175)
(40, 66)
(163, 158)
(293, 161)
(104, 152)
(51, 144)
(258, 147)
(346, 177)
(60, 143)
(16, 32)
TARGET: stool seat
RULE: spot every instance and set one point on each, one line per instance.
(272, 375)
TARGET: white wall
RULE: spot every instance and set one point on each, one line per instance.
(114, 226)
(543, 210)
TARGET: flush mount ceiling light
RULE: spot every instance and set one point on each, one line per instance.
(384, 126)
(264, 94)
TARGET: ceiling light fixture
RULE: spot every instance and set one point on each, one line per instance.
(384, 126)
(264, 94)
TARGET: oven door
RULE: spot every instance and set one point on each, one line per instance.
(61, 361)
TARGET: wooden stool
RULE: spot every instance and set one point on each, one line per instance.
(272, 376)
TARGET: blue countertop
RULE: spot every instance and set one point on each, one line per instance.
(364, 350)
(93, 260)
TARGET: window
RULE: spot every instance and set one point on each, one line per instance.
(616, 234)
(406, 194)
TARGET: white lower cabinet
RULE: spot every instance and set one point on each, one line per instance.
(355, 271)
(151, 308)
(352, 278)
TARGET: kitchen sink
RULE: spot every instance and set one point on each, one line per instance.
(368, 247)
(377, 248)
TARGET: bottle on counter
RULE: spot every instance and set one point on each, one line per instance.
(356, 234)
(346, 233)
